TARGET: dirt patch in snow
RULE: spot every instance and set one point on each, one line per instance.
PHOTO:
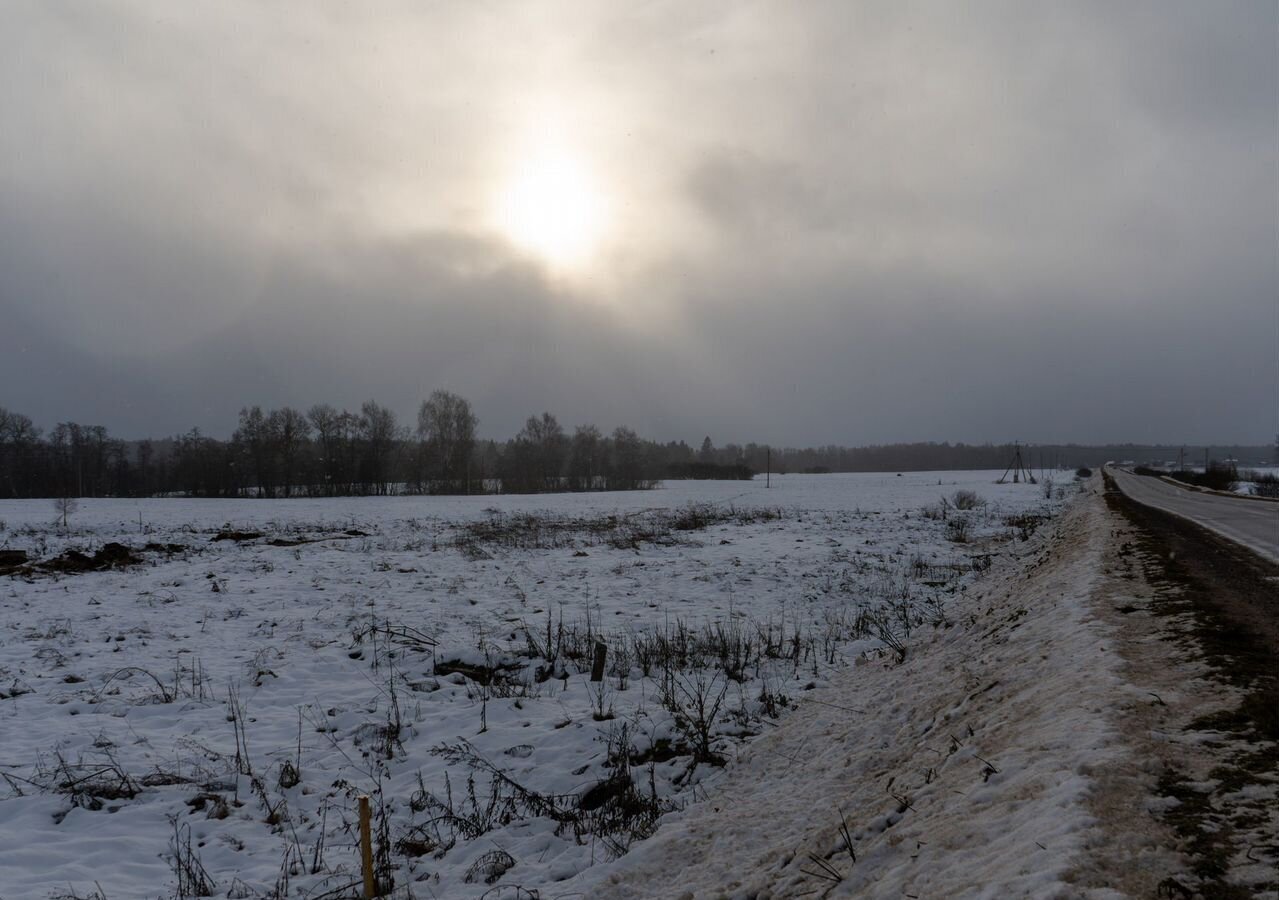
(238, 536)
(112, 555)
(12, 560)
(244, 537)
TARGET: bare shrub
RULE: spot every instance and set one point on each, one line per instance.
(164, 695)
(1024, 523)
(958, 529)
(966, 500)
(1265, 485)
(934, 513)
(695, 702)
(96, 894)
(1218, 476)
(490, 867)
(90, 783)
(613, 810)
(193, 880)
(601, 701)
(530, 531)
(890, 639)
(64, 507)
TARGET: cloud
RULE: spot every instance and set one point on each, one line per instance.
(837, 223)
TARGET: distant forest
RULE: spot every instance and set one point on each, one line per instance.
(327, 452)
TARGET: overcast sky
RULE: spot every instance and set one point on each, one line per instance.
(797, 223)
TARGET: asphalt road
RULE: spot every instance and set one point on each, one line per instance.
(1252, 523)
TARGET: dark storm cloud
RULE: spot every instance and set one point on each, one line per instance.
(849, 223)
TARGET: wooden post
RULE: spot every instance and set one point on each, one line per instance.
(768, 467)
(366, 850)
(597, 669)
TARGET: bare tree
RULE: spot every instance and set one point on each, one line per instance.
(19, 438)
(327, 424)
(545, 440)
(65, 506)
(257, 447)
(627, 468)
(379, 435)
(145, 473)
(585, 461)
(337, 433)
(446, 433)
(204, 467)
(64, 448)
(290, 431)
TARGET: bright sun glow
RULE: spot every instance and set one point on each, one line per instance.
(552, 208)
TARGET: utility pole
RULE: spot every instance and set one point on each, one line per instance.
(768, 467)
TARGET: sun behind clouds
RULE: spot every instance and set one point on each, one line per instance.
(551, 207)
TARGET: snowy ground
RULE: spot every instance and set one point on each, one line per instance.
(1065, 735)
(212, 713)
(963, 769)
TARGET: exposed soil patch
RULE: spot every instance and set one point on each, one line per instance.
(238, 536)
(480, 674)
(111, 556)
(297, 542)
(12, 560)
(241, 537)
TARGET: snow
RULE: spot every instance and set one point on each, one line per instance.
(963, 771)
(335, 649)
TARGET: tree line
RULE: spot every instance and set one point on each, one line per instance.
(925, 457)
(328, 452)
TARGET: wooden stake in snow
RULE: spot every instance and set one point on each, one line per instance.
(366, 850)
(597, 669)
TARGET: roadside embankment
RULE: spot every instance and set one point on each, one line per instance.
(1072, 732)
(964, 769)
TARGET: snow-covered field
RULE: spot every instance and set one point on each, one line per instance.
(208, 716)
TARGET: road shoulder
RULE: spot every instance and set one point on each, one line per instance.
(1193, 808)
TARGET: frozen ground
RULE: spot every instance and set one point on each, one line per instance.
(208, 716)
(962, 770)
(1070, 733)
